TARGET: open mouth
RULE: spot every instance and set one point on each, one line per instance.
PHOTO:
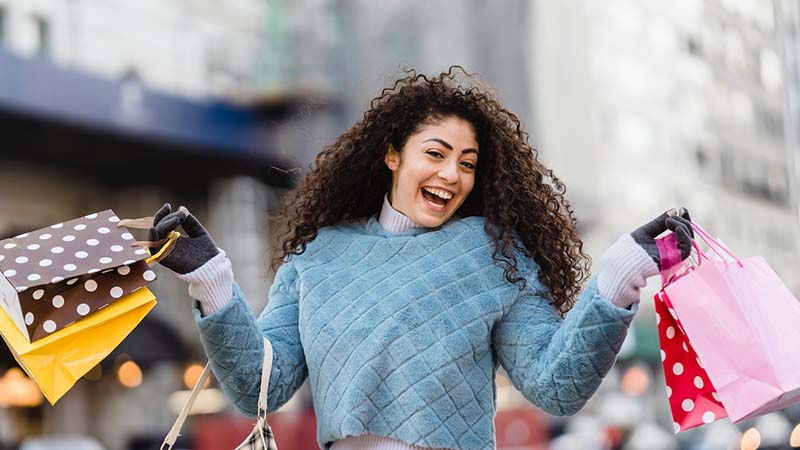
(438, 199)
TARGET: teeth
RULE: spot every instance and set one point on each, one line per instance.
(439, 193)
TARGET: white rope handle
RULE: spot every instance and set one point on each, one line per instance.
(175, 431)
(266, 370)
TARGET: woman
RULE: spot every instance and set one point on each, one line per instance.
(427, 246)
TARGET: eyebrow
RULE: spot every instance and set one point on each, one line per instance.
(450, 147)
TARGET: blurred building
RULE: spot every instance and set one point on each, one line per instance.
(685, 105)
(355, 48)
(641, 107)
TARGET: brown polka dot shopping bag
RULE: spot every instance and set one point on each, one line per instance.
(70, 293)
(728, 332)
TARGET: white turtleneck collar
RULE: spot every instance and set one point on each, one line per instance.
(393, 220)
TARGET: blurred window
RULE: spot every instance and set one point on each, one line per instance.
(730, 6)
(663, 35)
(708, 162)
(701, 155)
(720, 100)
(770, 65)
(712, 37)
(747, 9)
(634, 134)
(742, 107)
(42, 26)
(754, 176)
(693, 47)
(769, 123)
(735, 54)
(764, 16)
(778, 182)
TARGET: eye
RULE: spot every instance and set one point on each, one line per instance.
(469, 165)
(434, 153)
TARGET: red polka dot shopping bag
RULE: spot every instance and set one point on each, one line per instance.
(70, 293)
(728, 335)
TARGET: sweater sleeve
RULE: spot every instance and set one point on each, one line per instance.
(233, 340)
(559, 364)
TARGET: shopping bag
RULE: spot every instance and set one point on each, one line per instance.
(691, 395)
(692, 398)
(55, 363)
(741, 322)
(52, 277)
(261, 438)
(58, 328)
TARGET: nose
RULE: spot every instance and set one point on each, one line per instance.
(449, 173)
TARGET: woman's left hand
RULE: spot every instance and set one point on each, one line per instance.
(633, 258)
(678, 222)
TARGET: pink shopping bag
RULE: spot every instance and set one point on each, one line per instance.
(692, 397)
(742, 323)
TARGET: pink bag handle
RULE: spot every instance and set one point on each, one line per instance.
(670, 256)
(668, 253)
(714, 244)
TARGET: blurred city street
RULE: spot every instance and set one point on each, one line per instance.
(222, 105)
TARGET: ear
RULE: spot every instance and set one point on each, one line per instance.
(392, 158)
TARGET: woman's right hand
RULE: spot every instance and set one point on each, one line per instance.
(190, 252)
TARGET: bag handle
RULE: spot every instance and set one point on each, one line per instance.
(266, 370)
(670, 254)
(167, 244)
(265, 373)
(715, 244)
(175, 431)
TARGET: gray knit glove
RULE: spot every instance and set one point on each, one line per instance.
(190, 252)
(633, 258)
(678, 222)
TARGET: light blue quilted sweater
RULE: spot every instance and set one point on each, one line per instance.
(401, 335)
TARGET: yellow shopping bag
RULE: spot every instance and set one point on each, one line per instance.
(55, 363)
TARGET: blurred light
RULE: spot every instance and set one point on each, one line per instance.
(620, 410)
(774, 428)
(16, 389)
(121, 358)
(721, 434)
(650, 436)
(794, 439)
(517, 432)
(584, 431)
(635, 381)
(129, 374)
(209, 401)
(751, 439)
(192, 374)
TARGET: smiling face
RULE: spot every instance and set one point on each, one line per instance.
(434, 172)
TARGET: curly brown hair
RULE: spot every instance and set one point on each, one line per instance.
(519, 198)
